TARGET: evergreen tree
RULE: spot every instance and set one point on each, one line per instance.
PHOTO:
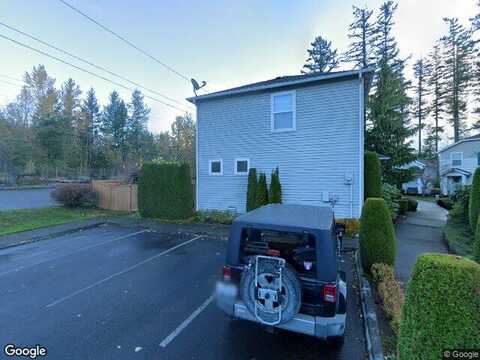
(458, 50)
(437, 86)
(421, 70)
(275, 193)
(137, 125)
(115, 124)
(183, 139)
(261, 197)
(252, 189)
(476, 67)
(70, 93)
(360, 33)
(388, 130)
(321, 57)
(89, 130)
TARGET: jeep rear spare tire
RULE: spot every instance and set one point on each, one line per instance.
(269, 304)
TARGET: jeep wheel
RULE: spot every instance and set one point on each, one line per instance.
(288, 299)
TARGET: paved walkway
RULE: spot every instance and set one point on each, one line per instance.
(420, 232)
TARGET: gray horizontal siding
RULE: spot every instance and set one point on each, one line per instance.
(312, 159)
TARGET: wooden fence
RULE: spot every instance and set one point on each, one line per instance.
(113, 195)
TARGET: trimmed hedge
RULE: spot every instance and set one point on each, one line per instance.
(262, 191)
(445, 203)
(403, 206)
(412, 205)
(474, 201)
(442, 307)
(165, 191)
(251, 189)
(377, 236)
(372, 176)
(476, 244)
(275, 194)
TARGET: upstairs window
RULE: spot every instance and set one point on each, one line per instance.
(242, 166)
(456, 158)
(215, 167)
(283, 111)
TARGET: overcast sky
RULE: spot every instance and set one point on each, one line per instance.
(226, 43)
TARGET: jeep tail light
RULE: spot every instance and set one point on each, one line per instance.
(330, 293)
(273, 252)
(227, 273)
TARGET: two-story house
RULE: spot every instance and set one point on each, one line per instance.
(309, 126)
(458, 163)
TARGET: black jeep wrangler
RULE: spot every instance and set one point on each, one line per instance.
(282, 269)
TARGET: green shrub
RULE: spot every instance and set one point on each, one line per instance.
(402, 206)
(446, 203)
(215, 216)
(251, 189)
(457, 233)
(474, 201)
(462, 197)
(392, 195)
(412, 205)
(442, 307)
(476, 244)
(390, 293)
(372, 176)
(75, 195)
(377, 237)
(165, 191)
(275, 194)
(262, 191)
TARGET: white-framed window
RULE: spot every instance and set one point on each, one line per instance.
(241, 166)
(215, 167)
(456, 158)
(283, 117)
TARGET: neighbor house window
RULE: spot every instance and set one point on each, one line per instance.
(283, 111)
(215, 167)
(242, 166)
(457, 158)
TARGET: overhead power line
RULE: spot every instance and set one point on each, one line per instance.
(88, 71)
(128, 42)
(10, 83)
(90, 63)
(11, 78)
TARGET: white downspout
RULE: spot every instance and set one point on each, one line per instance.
(360, 141)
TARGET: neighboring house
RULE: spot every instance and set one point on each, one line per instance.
(425, 175)
(310, 126)
(458, 163)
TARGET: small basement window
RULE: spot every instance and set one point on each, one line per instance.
(242, 166)
(215, 167)
(283, 111)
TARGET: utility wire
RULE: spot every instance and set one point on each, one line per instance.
(88, 71)
(118, 36)
(90, 63)
(10, 83)
(11, 78)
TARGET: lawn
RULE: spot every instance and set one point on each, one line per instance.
(13, 221)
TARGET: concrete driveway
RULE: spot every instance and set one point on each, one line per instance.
(122, 293)
(26, 199)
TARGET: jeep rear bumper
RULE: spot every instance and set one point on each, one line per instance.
(318, 326)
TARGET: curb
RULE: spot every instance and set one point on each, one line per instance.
(370, 323)
(91, 225)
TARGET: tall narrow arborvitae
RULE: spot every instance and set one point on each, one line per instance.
(275, 195)
(262, 191)
(251, 189)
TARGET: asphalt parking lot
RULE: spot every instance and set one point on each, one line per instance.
(121, 293)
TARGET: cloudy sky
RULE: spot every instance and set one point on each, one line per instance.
(225, 43)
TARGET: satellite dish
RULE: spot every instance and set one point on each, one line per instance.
(196, 86)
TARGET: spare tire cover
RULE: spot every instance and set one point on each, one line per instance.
(289, 298)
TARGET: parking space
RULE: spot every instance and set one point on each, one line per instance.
(118, 293)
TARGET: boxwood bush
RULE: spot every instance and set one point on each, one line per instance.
(403, 206)
(412, 205)
(442, 307)
(377, 236)
(165, 191)
(372, 176)
(474, 200)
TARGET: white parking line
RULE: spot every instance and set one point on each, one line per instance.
(124, 271)
(185, 323)
(72, 252)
